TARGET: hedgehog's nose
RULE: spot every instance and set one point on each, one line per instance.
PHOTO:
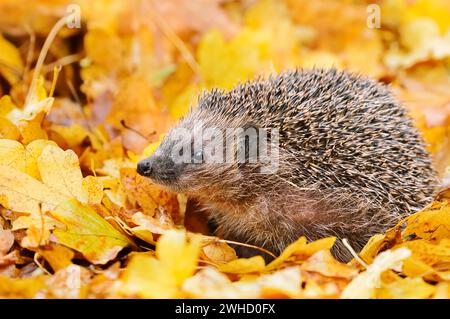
(144, 167)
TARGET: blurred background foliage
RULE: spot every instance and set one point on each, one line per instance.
(137, 66)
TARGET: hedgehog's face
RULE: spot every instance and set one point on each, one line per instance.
(201, 160)
(189, 162)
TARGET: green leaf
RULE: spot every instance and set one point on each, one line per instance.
(88, 232)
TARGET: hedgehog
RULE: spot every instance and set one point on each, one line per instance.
(341, 158)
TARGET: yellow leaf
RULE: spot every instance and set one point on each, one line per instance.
(162, 277)
(217, 251)
(38, 227)
(407, 288)
(22, 193)
(364, 285)
(93, 188)
(57, 256)
(38, 220)
(364, 54)
(12, 154)
(181, 104)
(414, 267)
(32, 130)
(243, 265)
(147, 195)
(370, 250)
(74, 135)
(442, 291)
(60, 170)
(378, 242)
(324, 263)
(8, 130)
(35, 237)
(210, 283)
(104, 48)
(29, 119)
(432, 224)
(288, 252)
(146, 278)
(21, 288)
(11, 66)
(6, 105)
(32, 152)
(147, 226)
(301, 250)
(428, 253)
(314, 247)
(178, 255)
(282, 283)
(87, 232)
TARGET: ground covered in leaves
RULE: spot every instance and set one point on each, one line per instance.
(79, 107)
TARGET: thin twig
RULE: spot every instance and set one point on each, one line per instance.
(35, 258)
(248, 245)
(30, 49)
(42, 55)
(353, 252)
(66, 60)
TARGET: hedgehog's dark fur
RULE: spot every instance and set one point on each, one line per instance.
(351, 162)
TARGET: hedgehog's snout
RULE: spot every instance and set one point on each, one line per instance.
(145, 167)
(158, 168)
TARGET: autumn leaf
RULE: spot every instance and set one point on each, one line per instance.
(20, 288)
(407, 288)
(432, 224)
(23, 158)
(210, 283)
(243, 265)
(12, 153)
(365, 284)
(148, 196)
(57, 256)
(87, 232)
(148, 226)
(217, 251)
(11, 65)
(161, 277)
(61, 171)
(22, 193)
(301, 249)
(324, 263)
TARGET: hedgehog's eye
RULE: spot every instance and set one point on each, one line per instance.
(198, 156)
